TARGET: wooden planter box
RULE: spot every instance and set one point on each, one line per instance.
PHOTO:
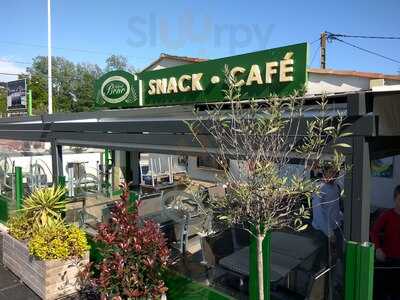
(50, 279)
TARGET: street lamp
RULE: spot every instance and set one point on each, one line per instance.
(49, 72)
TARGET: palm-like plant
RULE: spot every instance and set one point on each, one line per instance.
(45, 205)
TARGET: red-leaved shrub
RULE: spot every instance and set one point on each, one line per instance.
(134, 255)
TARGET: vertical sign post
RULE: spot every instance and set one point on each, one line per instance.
(30, 103)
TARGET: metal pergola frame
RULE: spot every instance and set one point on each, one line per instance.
(163, 130)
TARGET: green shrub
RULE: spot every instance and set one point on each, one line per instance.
(45, 205)
(20, 226)
(58, 241)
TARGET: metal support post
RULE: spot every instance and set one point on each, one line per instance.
(134, 165)
(19, 188)
(359, 271)
(56, 161)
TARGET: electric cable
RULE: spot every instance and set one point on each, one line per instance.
(366, 50)
(330, 34)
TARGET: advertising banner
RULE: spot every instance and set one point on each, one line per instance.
(279, 72)
(16, 95)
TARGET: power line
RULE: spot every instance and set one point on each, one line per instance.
(69, 49)
(332, 35)
(41, 75)
(11, 74)
(16, 62)
(315, 54)
(315, 41)
(366, 50)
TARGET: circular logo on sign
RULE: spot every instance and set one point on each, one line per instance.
(115, 89)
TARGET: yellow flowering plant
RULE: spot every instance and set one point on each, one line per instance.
(58, 241)
(20, 226)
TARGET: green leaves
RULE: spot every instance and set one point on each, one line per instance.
(45, 205)
(58, 241)
(342, 145)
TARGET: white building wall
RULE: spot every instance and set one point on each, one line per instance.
(329, 84)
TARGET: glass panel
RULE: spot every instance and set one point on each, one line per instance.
(35, 161)
(88, 181)
(385, 222)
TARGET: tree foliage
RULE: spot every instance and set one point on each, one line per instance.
(262, 138)
(73, 83)
(118, 62)
(3, 101)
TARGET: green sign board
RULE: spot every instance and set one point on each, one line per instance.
(279, 71)
(117, 89)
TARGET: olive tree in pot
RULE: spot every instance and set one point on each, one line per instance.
(134, 254)
(260, 138)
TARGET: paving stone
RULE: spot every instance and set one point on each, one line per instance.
(7, 278)
(20, 292)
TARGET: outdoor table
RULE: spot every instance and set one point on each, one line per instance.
(288, 251)
(293, 245)
(159, 217)
(238, 263)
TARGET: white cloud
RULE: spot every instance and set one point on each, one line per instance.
(9, 67)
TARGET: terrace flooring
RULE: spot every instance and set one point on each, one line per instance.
(11, 288)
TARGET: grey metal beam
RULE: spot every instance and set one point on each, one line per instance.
(358, 192)
(166, 112)
(356, 104)
(133, 158)
(173, 126)
(24, 126)
(180, 140)
(146, 148)
(365, 126)
(56, 161)
(20, 119)
(26, 135)
(358, 180)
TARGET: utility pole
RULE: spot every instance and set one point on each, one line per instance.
(323, 49)
(49, 72)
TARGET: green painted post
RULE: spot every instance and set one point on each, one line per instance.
(350, 273)
(61, 181)
(367, 255)
(359, 271)
(19, 187)
(107, 157)
(30, 103)
(3, 209)
(253, 284)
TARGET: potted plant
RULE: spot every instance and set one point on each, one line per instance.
(263, 137)
(43, 251)
(134, 254)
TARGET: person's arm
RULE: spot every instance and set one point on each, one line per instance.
(377, 229)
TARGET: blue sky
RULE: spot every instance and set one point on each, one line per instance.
(142, 30)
